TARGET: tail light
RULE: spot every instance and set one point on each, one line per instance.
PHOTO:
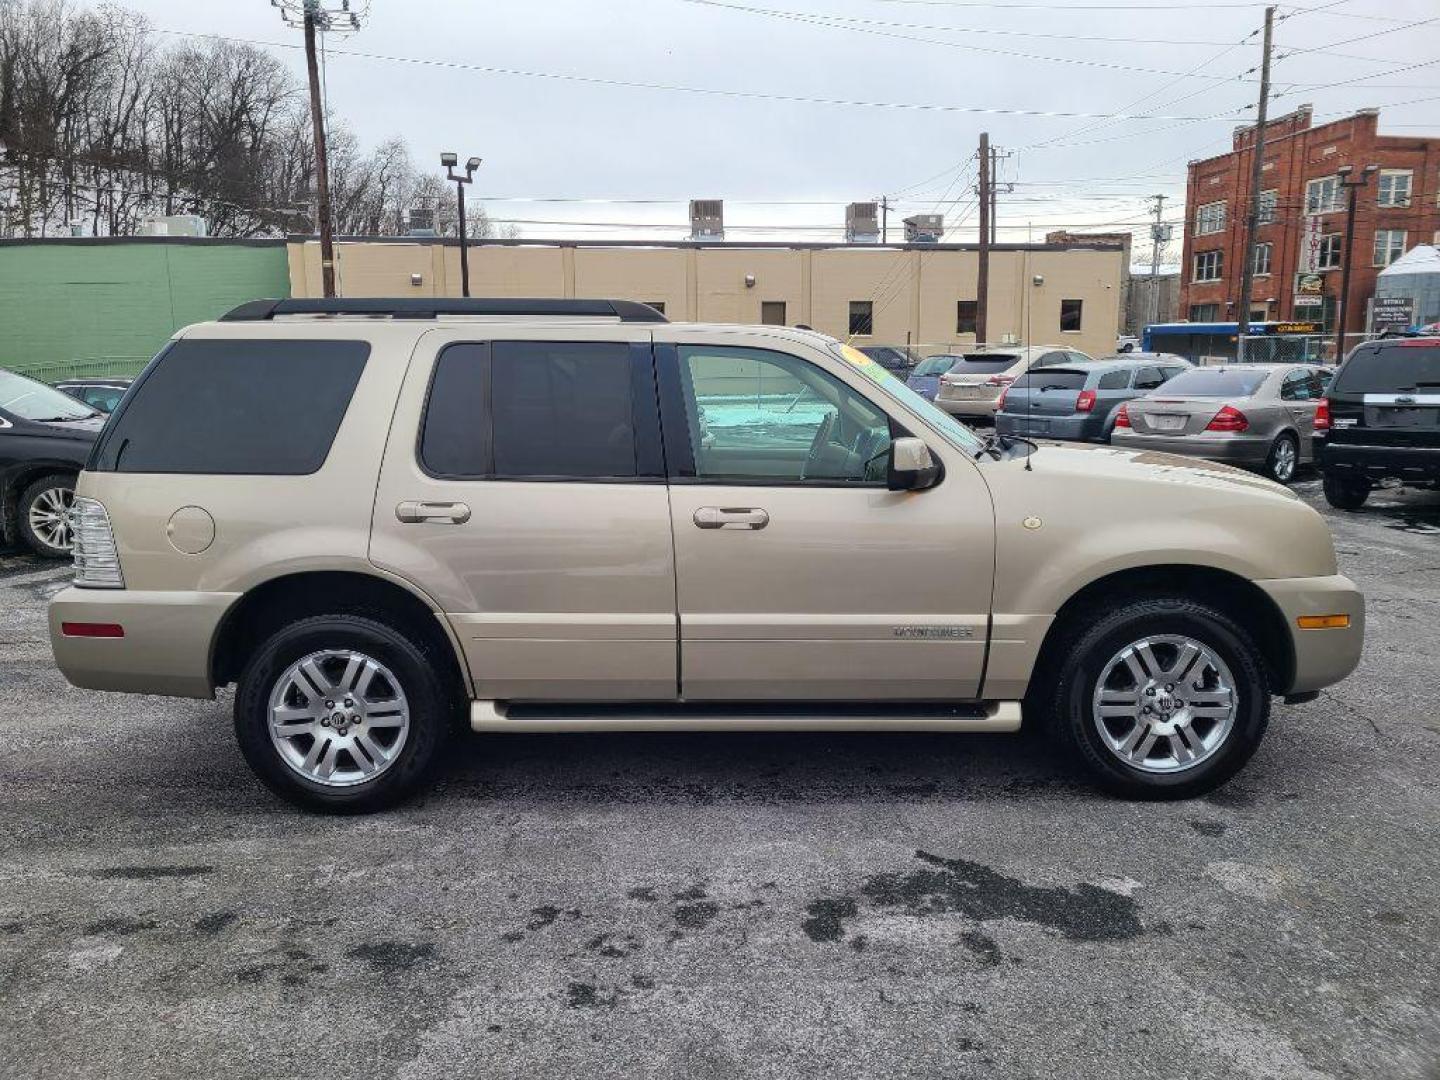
(97, 563)
(1228, 418)
(999, 380)
(1003, 395)
(1122, 418)
(1322, 415)
(1086, 401)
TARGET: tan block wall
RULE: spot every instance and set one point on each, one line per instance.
(913, 292)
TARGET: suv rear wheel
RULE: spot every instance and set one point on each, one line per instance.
(1163, 698)
(341, 713)
(45, 515)
(1345, 492)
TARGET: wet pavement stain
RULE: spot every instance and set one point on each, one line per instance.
(215, 922)
(696, 916)
(983, 946)
(119, 927)
(392, 957)
(1208, 828)
(827, 918)
(150, 873)
(588, 996)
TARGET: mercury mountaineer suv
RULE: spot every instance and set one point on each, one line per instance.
(377, 517)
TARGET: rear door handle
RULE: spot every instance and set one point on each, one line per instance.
(412, 512)
(731, 517)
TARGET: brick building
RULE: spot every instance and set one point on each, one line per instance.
(1303, 216)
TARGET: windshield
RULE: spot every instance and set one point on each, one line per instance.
(1390, 369)
(1215, 382)
(943, 422)
(936, 365)
(31, 400)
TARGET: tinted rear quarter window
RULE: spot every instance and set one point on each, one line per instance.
(1390, 369)
(1115, 380)
(250, 407)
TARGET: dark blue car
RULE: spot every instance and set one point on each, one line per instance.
(925, 379)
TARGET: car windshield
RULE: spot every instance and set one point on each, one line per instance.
(1390, 369)
(946, 424)
(31, 400)
(1215, 382)
(986, 363)
(936, 365)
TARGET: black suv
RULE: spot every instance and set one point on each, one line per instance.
(1380, 420)
(45, 437)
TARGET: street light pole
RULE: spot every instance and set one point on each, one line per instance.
(450, 161)
(1342, 306)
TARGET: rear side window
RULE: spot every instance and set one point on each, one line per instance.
(1390, 369)
(256, 407)
(1053, 379)
(1115, 380)
(515, 410)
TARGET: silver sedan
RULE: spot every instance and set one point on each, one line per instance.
(1257, 415)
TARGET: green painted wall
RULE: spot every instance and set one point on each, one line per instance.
(104, 308)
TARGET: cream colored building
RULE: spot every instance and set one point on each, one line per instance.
(915, 293)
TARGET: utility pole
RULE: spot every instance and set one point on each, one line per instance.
(884, 219)
(982, 282)
(1257, 165)
(1159, 235)
(313, 16)
(1342, 306)
(994, 188)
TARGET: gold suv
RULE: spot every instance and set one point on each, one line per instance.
(375, 517)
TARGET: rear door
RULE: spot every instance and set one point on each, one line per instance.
(1300, 394)
(523, 489)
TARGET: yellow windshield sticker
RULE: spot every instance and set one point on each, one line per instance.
(868, 367)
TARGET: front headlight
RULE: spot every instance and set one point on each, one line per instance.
(97, 562)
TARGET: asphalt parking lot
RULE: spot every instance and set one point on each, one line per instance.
(731, 906)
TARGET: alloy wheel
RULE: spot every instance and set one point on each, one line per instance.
(1282, 462)
(50, 517)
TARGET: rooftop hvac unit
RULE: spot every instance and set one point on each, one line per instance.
(420, 221)
(707, 219)
(862, 223)
(185, 225)
(153, 227)
(924, 228)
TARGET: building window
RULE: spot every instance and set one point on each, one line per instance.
(1210, 218)
(1269, 200)
(1327, 257)
(966, 312)
(1070, 316)
(1322, 196)
(1389, 245)
(1261, 265)
(772, 312)
(1204, 312)
(1394, 188)
(862, 317)
(1207, 265)
(658, 305)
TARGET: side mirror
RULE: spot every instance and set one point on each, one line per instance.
(911, 467)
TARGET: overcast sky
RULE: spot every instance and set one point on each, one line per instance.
(1178, 66)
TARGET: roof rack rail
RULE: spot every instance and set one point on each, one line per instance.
(411, 307)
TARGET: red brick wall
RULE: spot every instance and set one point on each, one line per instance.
(1294, 154)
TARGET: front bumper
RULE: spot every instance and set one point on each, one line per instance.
(1413, 463)
(1232, 449)
(1075, 428)
(166, 647)
(1322, 657)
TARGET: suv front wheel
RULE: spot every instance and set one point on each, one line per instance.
(1163, 698)
(341, 713)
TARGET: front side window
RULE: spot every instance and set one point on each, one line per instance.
(1389, 245)
(1322, 196)
(1149, 378)
(862, 317)
(1328, 255)
(757, 416)
(1210, 218)
(1261, 266)
(515, 410)
(1070, 315)
(966, 313)
(1394, 187)
(1207, 265)
(259, 407)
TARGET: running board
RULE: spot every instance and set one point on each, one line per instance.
(493, 716)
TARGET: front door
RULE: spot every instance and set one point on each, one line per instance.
(799, 575)
(524, 491)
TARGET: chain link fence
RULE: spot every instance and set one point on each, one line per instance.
(95, 367)
(1296, 348)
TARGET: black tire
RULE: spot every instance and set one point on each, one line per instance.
(1345, 492)
(432, 707)
(1274, 467)
(58, 484)
(1091, 645)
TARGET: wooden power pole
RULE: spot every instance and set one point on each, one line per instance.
(982, 281)
(1252, 214)
(322, 164)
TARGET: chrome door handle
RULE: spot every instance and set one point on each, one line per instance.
(412, 512)
(731, 517)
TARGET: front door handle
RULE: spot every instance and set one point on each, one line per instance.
(731, 517)
(412, 512)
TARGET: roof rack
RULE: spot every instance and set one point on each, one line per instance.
(425, 308)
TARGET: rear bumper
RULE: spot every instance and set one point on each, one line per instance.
(1050, 427)
(166, 647)
(1234, 449)
(982, 407)
(1322, 657)
(1421, 463)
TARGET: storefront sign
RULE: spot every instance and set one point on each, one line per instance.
(1392, 312)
